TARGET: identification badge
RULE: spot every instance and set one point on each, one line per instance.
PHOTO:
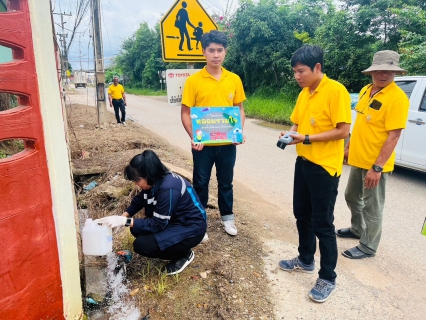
(376, 105)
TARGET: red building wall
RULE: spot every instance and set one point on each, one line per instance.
(30, 282)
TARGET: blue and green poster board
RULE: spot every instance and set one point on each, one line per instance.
(216, 125)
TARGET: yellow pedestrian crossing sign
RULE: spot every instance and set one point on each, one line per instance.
(182, 29)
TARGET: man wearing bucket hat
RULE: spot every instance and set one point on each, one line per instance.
(382, 112)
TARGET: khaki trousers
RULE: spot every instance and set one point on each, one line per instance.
(366, 207)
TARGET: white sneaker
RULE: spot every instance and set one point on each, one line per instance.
(124, 124)
(205, 239)
(229, 227)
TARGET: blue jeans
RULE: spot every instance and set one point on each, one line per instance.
(223, 157)
(314, 196)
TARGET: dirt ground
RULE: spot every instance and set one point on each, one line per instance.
(226, 280)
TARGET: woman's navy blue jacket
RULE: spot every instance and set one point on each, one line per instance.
(172, 209)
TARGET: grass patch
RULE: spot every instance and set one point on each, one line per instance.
(275, 109)
(10, 147)
(146, 92)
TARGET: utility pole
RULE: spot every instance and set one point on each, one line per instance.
(63, 41)
(79, 48)
(99, 63)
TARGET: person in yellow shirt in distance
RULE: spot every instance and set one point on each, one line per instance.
(117, 100)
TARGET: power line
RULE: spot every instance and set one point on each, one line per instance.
(210, 5)
(93, 60)
(62, 39)
(102, 14)
(69, 29)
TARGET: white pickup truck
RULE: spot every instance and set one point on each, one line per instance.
(411, 147)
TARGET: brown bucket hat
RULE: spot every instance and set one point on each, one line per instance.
(386, 60)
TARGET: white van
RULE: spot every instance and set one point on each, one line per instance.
(411, 147)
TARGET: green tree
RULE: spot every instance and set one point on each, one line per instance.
(113, 70)
(379, 18)
(308, 15)
(262, 44)
(413, 42)
(150, 78)
(346, 51)
(136, 51)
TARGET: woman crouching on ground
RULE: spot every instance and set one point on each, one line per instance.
(175, 220)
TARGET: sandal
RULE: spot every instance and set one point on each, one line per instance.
(346, 233)
(355, 253)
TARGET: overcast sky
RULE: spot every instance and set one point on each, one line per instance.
(120, 19)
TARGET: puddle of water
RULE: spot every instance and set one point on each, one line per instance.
(278, 126)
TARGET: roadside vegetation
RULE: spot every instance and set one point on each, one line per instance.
(145, 91)
(264, 34)
(272, 109)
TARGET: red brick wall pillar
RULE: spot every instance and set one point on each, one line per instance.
(30, 281)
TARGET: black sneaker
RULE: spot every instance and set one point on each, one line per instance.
(177, 266)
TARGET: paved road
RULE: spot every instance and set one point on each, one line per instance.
(389, 286)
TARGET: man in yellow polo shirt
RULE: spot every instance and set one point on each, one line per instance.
(214, 86)
(382, 113)
(321, 118)
(117, 99)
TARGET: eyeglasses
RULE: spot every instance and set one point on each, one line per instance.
(369, 104)
(362, 111)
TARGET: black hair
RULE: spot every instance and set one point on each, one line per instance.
(214, 36)
(146, 165)
(309, 56)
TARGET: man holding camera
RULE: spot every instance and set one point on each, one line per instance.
(321, 118)
(382, 112)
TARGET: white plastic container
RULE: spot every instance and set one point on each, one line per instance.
(97, 239)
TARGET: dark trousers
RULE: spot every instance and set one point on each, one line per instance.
(223, 157)
(314, 196)
(119, 106)
(146, 245)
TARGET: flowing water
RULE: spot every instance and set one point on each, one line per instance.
(117, 303)
(121, 306)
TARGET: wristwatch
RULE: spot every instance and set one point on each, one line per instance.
(128, 222)
(307, 141)
(377, 168)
